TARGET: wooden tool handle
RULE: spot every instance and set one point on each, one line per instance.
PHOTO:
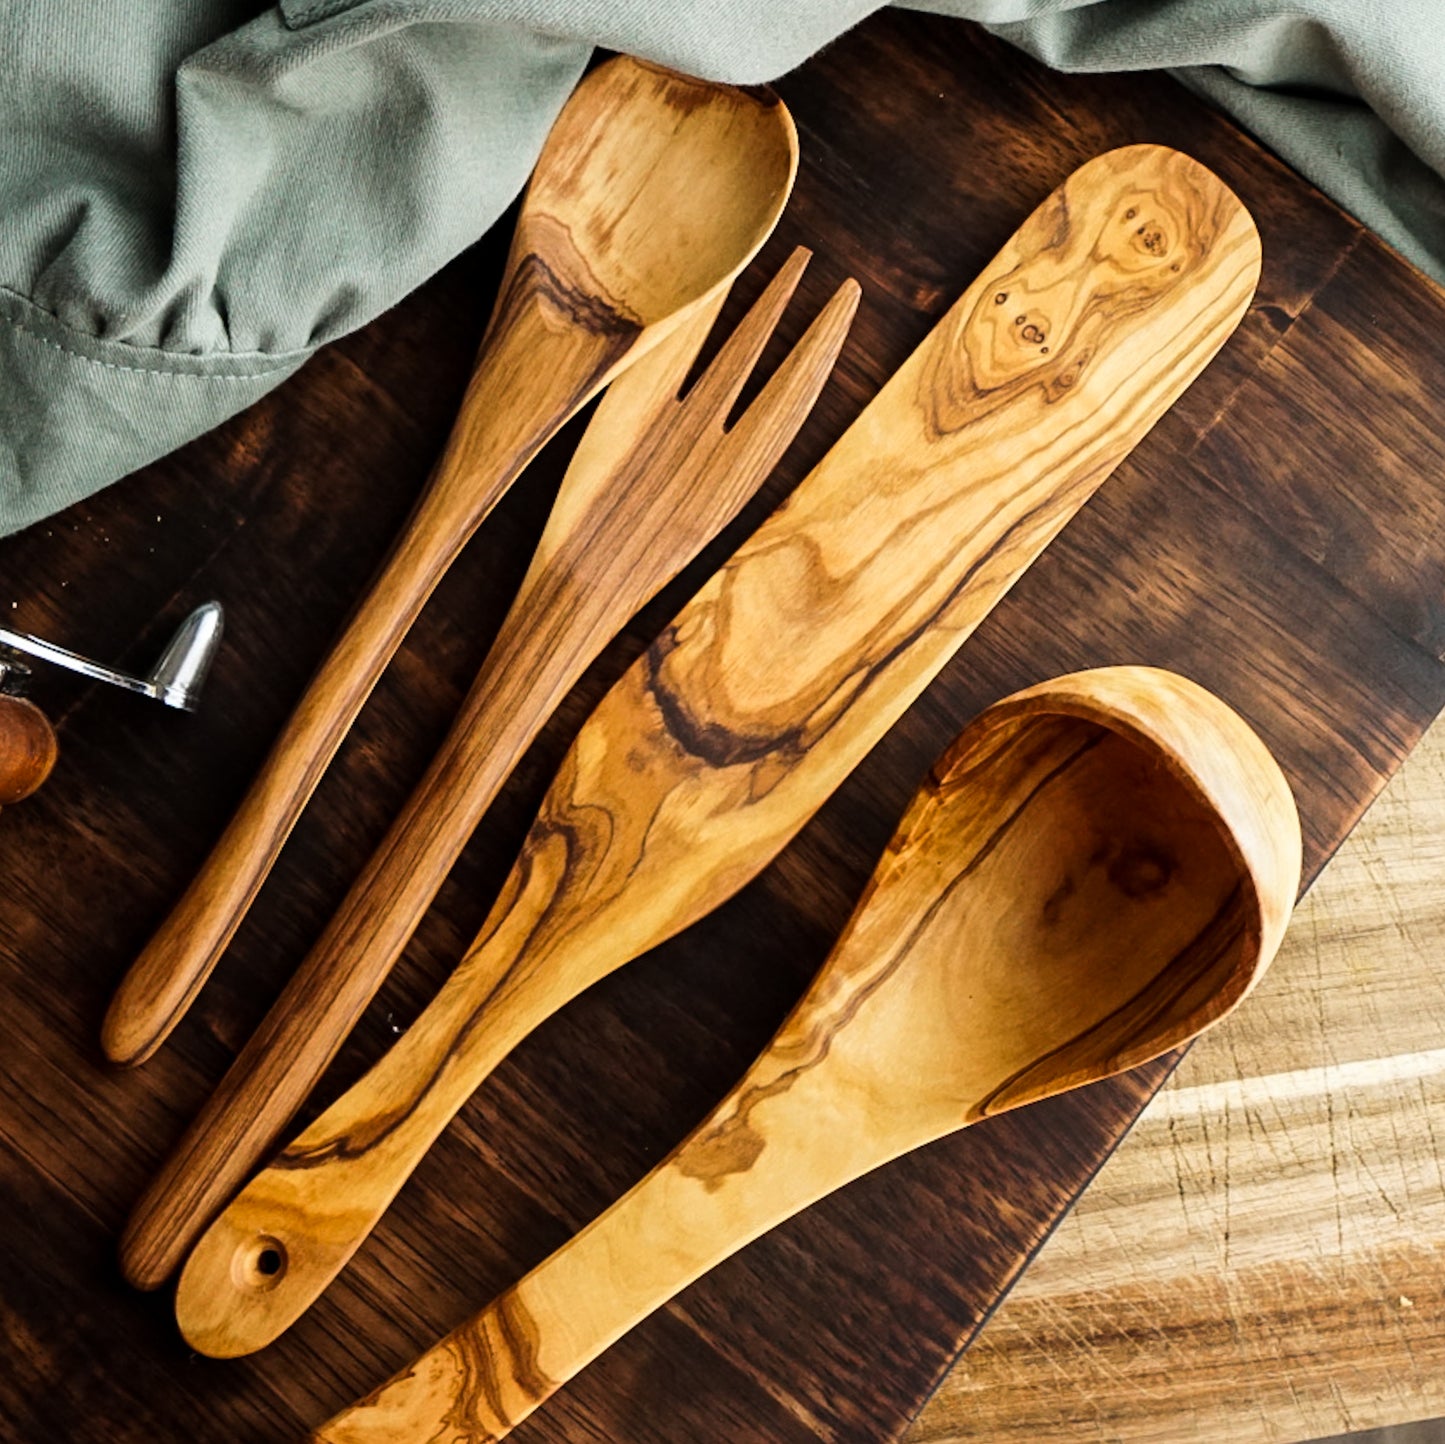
(27, 749)
(529, 380)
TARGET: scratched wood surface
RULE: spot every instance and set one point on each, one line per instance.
(1261, 1260)
(1280, 537)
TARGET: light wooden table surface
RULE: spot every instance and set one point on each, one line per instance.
(1261, 1259)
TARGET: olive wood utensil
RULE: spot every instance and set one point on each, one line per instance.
(772, 684)
(1097, 870)
(655, 477)
(652, 192)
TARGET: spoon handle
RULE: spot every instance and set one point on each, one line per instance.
(529, 379)
(783, 1138)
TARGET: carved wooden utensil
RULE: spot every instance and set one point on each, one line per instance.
(652, 192)
(1098, 869)
(654, 478)
(776, 679)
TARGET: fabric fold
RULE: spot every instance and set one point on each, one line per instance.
(196, 194)
(77, 412)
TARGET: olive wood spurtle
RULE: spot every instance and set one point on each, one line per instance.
(1097, 870)
(777, 678)
(655, 478)
(652, 192)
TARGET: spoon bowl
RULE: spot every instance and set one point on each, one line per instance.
(1097, 870)
(715, 161)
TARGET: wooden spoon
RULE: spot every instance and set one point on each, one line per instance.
(1098, 869)
(780, 675)
(654, 478)
(653, 191)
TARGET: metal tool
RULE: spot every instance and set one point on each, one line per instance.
(176, 679)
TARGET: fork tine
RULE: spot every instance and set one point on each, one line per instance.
(716, 390)
(765, 430)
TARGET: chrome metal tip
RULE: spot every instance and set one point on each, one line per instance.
(181, 672)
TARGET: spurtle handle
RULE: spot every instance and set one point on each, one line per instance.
(27, 749)
(307, 1213)
(502, 422)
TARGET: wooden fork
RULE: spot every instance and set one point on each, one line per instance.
(654, 479)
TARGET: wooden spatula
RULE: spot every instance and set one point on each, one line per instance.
(780, 675)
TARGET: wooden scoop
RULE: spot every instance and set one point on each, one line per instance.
(652, 192)
(779, 676)
(1098, 869)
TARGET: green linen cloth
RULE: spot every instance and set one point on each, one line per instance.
(196, 194)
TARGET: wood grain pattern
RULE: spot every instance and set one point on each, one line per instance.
(1097, 870)
(27, 748)
(1275, 537)
(651, 194)
(1274, 1218)
(653, 480)
(776, 679)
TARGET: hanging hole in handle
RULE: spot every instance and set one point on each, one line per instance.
(260, 1265)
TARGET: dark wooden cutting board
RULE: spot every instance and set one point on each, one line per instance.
(1278, 537)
